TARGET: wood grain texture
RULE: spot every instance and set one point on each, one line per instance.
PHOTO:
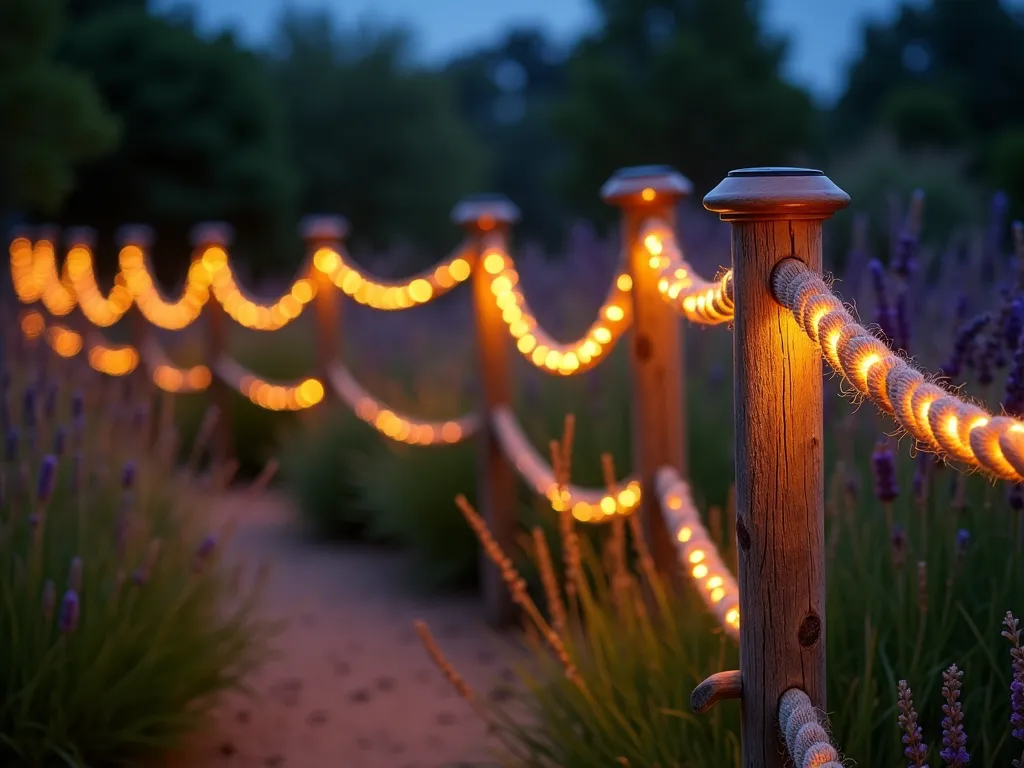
(718, 687)
(779, 487)
(659, 394)
(496, 480)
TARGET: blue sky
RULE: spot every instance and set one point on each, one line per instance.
(824, 34)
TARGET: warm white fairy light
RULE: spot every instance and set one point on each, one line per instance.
(699, 300)
(391, 422)
(392, 295)
(698, 554)
(295, 396)
(100, 310)
(537, 345)
(588, 505)
(170, 377)
(169, 315)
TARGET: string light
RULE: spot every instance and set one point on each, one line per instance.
(23, 276)
(98, 309)
(55, 290)
(587, 505)
(169, 315)
(935, 417)
(245, 311)
(32, 324)
(700, 301)
(697, 551)
(112, 360)
(385, 295)
(393, 423)
(298, 396)
(170, 377)
(64, 341)
(533, 342)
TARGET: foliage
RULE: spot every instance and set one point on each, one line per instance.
(203, 137)
(373, 137)
(681, 83)
(120, 624)
(54, 118)
(319, 459)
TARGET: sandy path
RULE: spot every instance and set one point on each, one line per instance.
(353, 687)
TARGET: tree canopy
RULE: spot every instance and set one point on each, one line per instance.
(53, 117)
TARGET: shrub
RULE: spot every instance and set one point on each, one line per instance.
(119, 623)
(319, 460)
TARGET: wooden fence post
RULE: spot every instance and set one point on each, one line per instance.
(325, 231)
(776, 213)
(208, 235)
(656, 356)
(497, 496)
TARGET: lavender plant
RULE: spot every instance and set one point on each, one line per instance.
(113, 645)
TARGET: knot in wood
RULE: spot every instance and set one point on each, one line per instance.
(810, 631)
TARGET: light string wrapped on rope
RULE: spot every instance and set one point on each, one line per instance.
(54, 289)
(274, 396)
(940, 420)
(806, 739)
(588, 505)
(246, 311)
(170, 377)
(111, 359)
(394, 294)
(99, 309)
(698, 553)
(700, 301)
(23, 277)
(393, 423)
(165, 314)
(537, 345)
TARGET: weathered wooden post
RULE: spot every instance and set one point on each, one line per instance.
(215, 234)
(657, 354)
(324, 235)
(483, 217)
(776, 213)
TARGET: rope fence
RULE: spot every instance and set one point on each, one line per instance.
(785, 320)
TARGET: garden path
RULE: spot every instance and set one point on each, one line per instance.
(352, 687)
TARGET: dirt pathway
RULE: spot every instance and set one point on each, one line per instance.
(353, 688)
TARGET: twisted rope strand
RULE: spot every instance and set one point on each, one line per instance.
(698, 300)
(393, 423)
(938, 419)
(806, 739)
(588, 505)
(698, 553)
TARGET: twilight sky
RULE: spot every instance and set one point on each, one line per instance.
(824, 34)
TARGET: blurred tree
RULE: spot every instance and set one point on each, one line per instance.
(203, 137)
(506, 91)
(375, 138)
(693, 83)
(53, 117)
(972, 53)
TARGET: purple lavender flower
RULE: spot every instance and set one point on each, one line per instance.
(984, 358)
(205, 551)
(899, 545)
(961, 309)
(954, 739)
(49, 599)
(47, 478)
(59, 440)
(128, 476)
(11, 445)
(904, 259)
(963, 540)
(883, 466)
(69, 610)
(965, 338)
(78, 410)
(1013, 324)
(30, 407)
(883, 312)
(916, 750)
(1013, 399)
(1012, 633)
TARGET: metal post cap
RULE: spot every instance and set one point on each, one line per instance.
(776, 193)
(476, 209)
(645, 184)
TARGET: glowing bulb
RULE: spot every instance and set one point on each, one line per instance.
(648, 194)
(700, 571)
(685, 534)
